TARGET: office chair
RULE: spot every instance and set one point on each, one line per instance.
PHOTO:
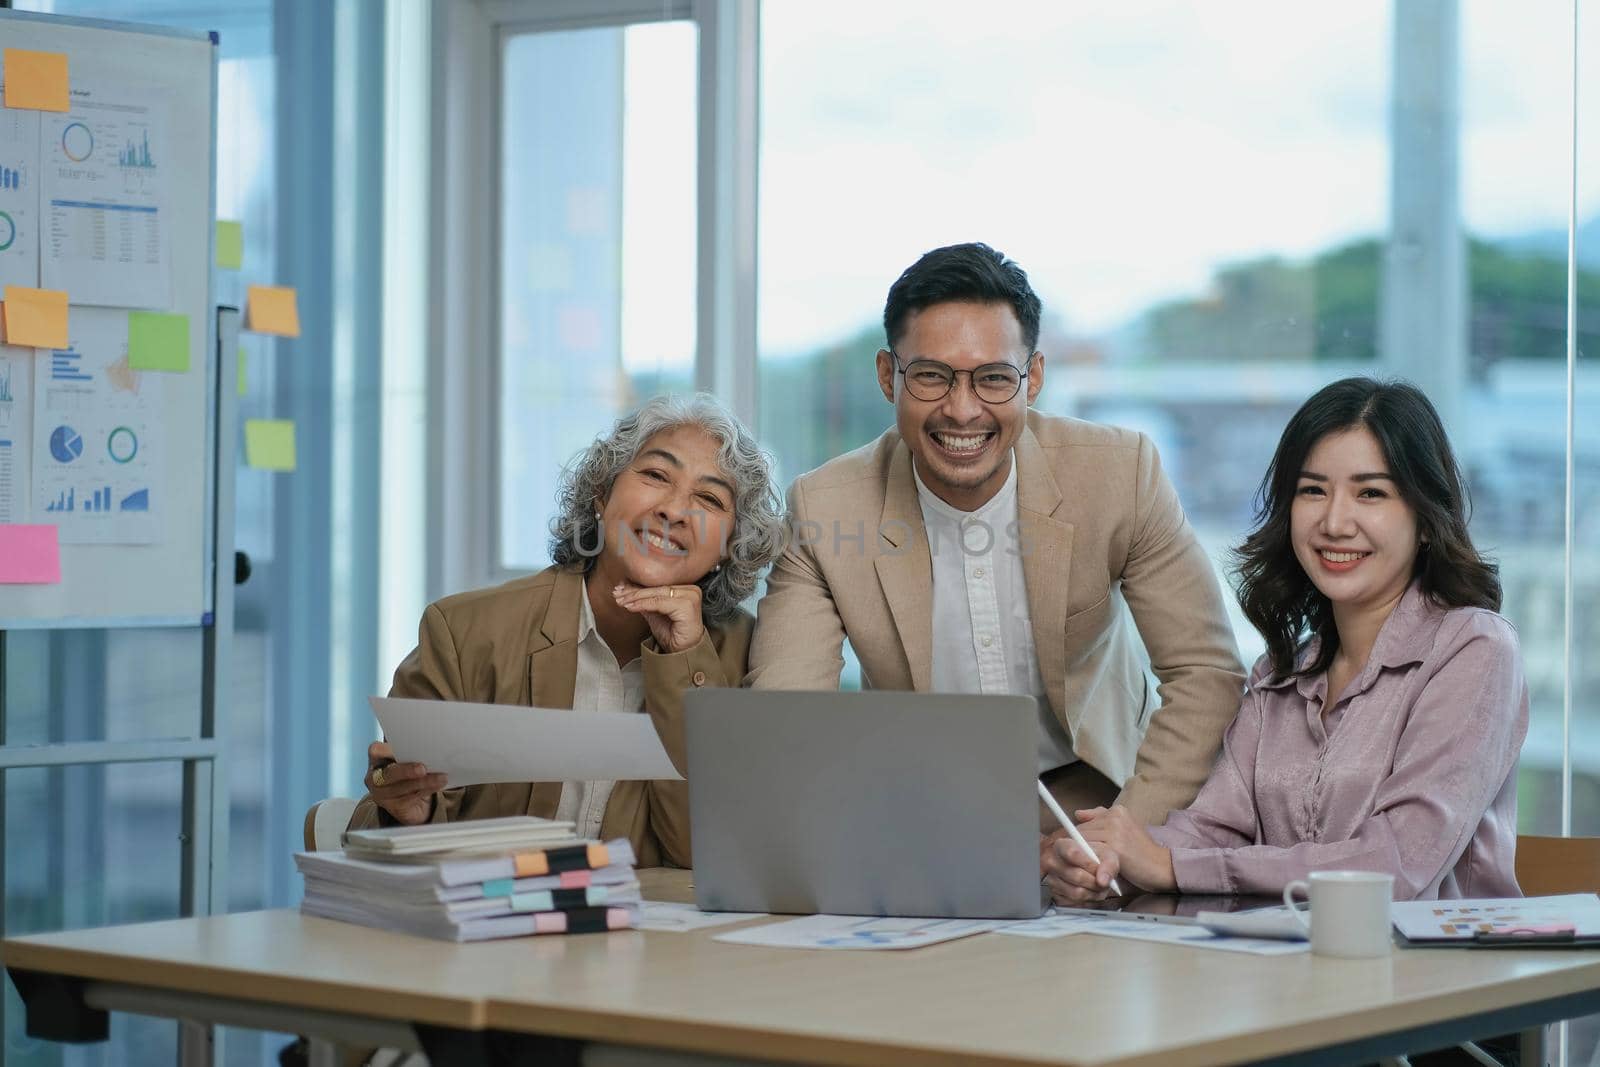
(325, 821)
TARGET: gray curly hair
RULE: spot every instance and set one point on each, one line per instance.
(758, 519)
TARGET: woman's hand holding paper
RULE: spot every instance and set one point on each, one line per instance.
(404, 790)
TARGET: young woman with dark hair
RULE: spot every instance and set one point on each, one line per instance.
(1381, 729)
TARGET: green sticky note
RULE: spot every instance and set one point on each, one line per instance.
(241, 376)
(269, 444)
(158, 341)
(230, 245)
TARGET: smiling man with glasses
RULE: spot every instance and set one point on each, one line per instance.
(980, 546)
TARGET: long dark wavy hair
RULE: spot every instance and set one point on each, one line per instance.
(1277, 595)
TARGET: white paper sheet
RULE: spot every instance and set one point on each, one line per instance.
(681, 918)
(1047, 925)
(857, 932)
(1053, 925)
(476, 743)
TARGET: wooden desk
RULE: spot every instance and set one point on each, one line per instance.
(1081, 1000)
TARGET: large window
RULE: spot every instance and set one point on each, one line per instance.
(1223, 208)
(597, 251)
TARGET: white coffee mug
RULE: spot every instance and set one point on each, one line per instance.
(1349, 914)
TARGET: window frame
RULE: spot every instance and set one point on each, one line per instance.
(469, 47)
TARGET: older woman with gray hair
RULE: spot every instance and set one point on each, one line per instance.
(666, 525)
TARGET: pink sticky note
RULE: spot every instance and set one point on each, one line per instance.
(29, 555)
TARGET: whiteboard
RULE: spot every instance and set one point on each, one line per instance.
(147, 94)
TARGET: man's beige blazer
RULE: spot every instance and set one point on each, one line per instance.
(1102, 534)
(517, 643)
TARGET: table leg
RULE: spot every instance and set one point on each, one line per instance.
(194, 1043)
(321, 1053)
(477, 1048)
(55, 1008)
(1532, 1045)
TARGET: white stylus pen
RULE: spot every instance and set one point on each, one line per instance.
(1066, 823)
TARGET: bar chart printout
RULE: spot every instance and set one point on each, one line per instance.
(16, 365)
(8, 479)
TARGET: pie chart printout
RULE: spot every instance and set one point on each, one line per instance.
(65, 444)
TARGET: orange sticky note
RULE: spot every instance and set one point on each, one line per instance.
(36, 80)
(272, 309)
(36, 317)
(29, 555)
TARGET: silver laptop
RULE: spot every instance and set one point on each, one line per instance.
(903, 804)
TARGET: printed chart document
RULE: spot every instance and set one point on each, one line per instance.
(681, 918)
(477, 743)
(1464, 920)
(857, 932)
(96, 437)
(104, 229)
(19, 197)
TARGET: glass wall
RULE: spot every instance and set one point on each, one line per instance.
(597, 253)
(1222, 208)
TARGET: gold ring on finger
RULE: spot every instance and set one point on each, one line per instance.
(377, 776)
(672, 590)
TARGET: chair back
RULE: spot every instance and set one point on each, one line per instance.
(325, 822)
(1547, 866)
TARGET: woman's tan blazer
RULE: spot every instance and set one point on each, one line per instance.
(517, 643)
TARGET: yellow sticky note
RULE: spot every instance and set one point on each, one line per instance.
(269, 444)
(36, 317)
(272, 309)
(158, 341)
(36, 80)
(241, 378)
(230, 245)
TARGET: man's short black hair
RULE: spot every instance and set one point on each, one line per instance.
(967, 272)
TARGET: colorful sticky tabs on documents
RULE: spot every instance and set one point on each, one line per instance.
(29, 555)
(269, 444)
(36, 317)
(158, 341)
(35, 80)
(272, 309)
(230, 245)
(243, 363)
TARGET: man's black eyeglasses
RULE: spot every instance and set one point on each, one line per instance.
(929, 380)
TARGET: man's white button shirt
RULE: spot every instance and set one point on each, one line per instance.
(982, 629)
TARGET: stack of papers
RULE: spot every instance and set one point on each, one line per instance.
(477, 893)
(439, 840)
